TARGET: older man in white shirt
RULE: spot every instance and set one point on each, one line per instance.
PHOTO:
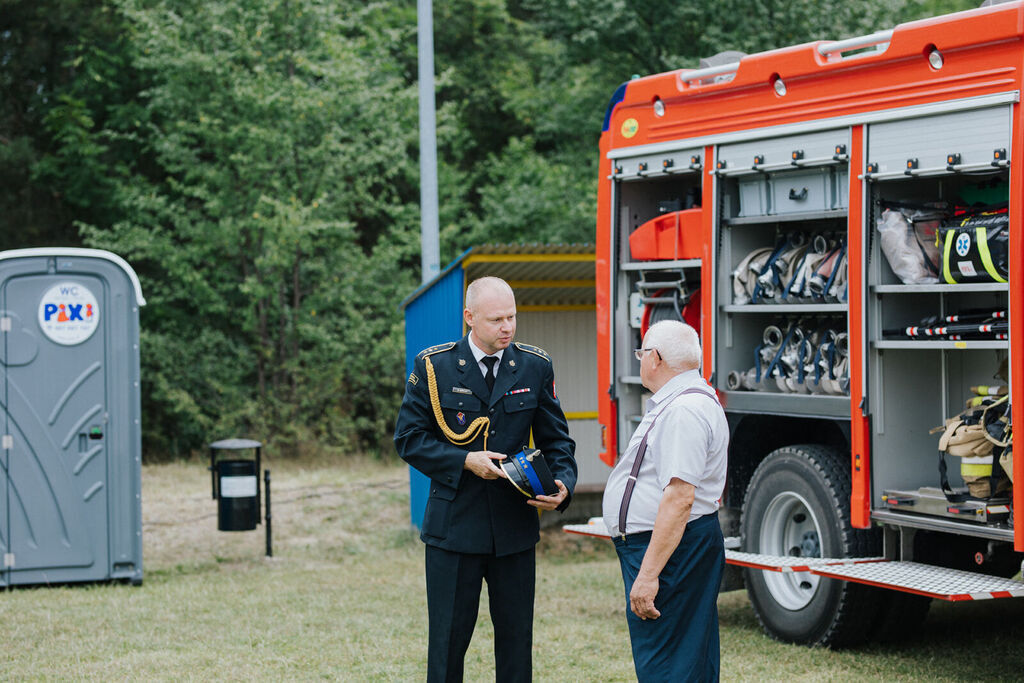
(661, 506)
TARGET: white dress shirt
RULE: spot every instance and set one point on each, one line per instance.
(479, 354)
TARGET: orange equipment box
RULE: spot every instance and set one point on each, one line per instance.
(675, 235)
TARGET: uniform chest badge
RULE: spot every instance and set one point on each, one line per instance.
(511, 363)
(462, 361)
(461, 417)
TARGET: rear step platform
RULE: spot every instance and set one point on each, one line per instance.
(929, 500)
(952, 585)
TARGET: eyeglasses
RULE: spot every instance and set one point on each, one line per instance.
(639, 353)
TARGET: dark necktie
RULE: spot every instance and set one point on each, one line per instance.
(490, 362)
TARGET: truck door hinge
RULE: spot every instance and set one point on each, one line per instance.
(7, 442)
(5, 324)
(8, 560)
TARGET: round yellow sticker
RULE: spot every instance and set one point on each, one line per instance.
(629, 128)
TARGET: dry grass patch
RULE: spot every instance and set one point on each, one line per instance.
(343, 599)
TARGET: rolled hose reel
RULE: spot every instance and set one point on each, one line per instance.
(799, 268)
(797, 361)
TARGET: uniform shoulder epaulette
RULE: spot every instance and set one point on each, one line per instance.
(535, 350)
(435, 349)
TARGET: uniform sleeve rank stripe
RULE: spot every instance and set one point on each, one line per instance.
(535, 350)
(413, 379)
(435, 349)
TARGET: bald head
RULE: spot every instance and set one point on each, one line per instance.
(491, 313)
(485, 287)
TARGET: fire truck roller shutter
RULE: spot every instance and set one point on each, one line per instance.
(797, 504)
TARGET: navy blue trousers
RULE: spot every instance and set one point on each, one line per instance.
(454, 581)
(681, 644)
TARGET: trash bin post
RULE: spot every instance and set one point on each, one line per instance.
(266, 492)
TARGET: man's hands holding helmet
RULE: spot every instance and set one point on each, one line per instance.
(483, 464)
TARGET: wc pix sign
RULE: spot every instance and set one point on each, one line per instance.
(68, 313)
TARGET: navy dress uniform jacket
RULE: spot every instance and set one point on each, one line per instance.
(465, 513)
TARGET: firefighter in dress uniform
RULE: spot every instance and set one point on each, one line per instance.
(456, 430)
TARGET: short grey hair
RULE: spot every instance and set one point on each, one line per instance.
(484, 284)
(677, 342)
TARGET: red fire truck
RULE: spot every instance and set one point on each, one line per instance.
(838, 220)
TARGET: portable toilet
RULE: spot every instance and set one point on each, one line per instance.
(71, 475)
(555, 310)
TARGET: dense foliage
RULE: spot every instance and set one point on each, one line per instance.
(257, 164)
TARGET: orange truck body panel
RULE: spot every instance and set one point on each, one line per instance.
(983, 53)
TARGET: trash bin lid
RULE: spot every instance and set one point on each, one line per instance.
(235, 444)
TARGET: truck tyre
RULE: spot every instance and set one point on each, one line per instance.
(798, 505)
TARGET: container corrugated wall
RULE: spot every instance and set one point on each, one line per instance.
(434, 317)
(570, 338)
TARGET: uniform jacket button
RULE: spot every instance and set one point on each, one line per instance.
(493, 432)
(492, 411)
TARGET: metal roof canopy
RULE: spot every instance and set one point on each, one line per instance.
(540, 274)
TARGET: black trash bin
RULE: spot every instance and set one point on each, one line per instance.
(238, 505)
(236, 486)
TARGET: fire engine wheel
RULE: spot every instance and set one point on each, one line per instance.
(797, 505)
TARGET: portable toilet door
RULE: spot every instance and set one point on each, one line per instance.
(70, 486)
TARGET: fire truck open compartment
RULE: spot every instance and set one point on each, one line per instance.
(914, 385)
(648, 289)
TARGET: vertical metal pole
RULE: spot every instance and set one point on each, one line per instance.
(266, 498)
(431, 253)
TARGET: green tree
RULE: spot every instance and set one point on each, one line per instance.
(270, 227)
(58, 58)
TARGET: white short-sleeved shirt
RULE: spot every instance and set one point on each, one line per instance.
(690, 441)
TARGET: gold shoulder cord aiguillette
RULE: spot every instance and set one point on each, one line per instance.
(475, 427)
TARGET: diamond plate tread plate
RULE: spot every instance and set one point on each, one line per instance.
(785, 563)
(595, 527)
(936, 582)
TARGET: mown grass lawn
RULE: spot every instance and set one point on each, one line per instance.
(343, 599)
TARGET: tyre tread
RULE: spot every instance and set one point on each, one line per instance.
(858, 605)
